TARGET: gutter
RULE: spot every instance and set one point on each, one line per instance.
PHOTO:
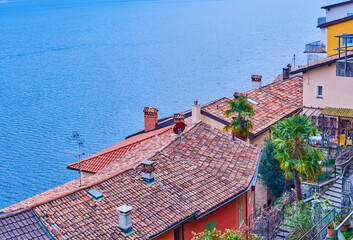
(253, 181)
(40, 222)
(174, 225)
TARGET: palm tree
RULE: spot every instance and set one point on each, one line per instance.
(295, 156)
(240, 125)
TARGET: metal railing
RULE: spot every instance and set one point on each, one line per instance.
(342, 223)
(314, 45)
(320, 228)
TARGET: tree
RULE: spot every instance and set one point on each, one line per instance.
(240, 125)
(270, 172)
(295, 156)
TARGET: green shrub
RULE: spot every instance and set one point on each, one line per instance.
(330, 162)
(228, 234)
(323, 177)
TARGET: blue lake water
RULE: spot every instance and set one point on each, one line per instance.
(92, 65)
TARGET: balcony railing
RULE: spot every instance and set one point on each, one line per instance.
(321, 20)
(315, 47)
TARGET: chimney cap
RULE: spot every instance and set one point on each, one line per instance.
(124, 209)
(255, 77)
(147, 162)
(238, 94)
(178, 116)
(150, 109)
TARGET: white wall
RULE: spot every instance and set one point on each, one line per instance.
(339, 12)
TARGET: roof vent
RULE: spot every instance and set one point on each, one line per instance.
(147, 172)
(97, 195)
(125, 219)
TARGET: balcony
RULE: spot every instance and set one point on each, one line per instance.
(321, 20)
(315, 47)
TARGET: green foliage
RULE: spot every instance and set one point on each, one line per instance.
(298, 218)
(289, 138)
(240, 125)
(228, 234)
(270, 172)
(323, 177)
(330, 162)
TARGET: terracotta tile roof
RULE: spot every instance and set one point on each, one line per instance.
(100, 160)
(207, 168)
(79, 216)
(22, 224)
(130, 160)
(320, 63)
(276, 101)
(200, 173)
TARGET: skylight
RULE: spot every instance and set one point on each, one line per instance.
(253, 101)
(97, 195)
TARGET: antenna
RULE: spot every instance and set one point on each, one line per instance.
(76, 136)
(179, 129)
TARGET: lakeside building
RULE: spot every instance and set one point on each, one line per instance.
(204, 181)
(338, 20)
(271, 103)
(327, 88)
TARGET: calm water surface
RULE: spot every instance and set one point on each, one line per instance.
(92, 65)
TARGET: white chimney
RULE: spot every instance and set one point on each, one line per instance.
(196, 112)
(125, 218)
(147, 172)
(255, 81)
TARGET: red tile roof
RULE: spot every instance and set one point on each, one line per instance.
(276, 101)
(100, 160)
(79, 216)
(202, 172)
(320, 63)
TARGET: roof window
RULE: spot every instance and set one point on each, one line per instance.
(97, 195)
(253, 101)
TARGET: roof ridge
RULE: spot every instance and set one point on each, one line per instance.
(79, 188)
(129, 144)
(10, 214)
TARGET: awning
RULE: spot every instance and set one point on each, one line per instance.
(338, 112)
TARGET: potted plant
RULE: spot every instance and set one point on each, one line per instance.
(345, 226)
(330, 229)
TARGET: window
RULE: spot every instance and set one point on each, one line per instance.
(319, 91)
(176, 234)
(210, 225)
(349, 14)
(241, 219)
(249, 197)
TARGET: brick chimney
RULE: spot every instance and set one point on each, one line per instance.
(256, 81)
(178, 117)
(147, 171)
(151, 118)
(196, 112)
(238, 94)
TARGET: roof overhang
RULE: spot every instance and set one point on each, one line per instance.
(334, 22)
(337, 4)
(338, 112)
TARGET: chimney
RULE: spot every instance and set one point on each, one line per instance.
(286, 73)
(237, 94)
(256, 81)
(147, 172)
(178, 117)
(196, 112)
(125, 218)
(151, 118)
(290, 67)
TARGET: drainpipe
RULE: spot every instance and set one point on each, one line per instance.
(246, 212)
(182, 227)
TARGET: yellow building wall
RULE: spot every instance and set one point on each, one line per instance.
(332, 41)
